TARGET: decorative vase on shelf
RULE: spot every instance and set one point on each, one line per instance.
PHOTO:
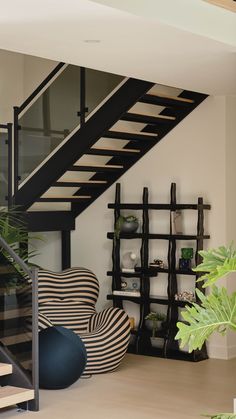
(129, 226)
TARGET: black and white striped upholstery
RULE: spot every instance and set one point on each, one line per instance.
(68, 299)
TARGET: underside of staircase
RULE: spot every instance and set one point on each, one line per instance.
(60, 179)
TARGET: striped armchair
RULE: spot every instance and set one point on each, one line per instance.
(68, 299)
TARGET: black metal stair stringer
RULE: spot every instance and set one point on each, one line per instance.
(129, 162)
(77, 145)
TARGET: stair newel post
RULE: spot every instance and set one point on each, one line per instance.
(172, 288)
(16, 148)
(116, 279)
(66, 249)
(142, 341)
(198, 355)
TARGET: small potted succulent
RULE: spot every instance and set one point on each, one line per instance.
(154, 322)
(128, 224)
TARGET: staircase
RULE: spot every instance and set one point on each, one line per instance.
(88, 158)
(11, 395)
(124, 127)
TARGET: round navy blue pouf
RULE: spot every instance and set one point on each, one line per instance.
(62, 358)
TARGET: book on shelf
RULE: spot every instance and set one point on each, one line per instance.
(128, 293)
(127, 270)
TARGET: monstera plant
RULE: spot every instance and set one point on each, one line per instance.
(217, 310)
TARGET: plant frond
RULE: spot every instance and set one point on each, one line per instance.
(217, 312)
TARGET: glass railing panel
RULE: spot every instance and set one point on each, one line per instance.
(15, 313)
(98, 86)
(45, 124)
(3, 168)
(49, 120)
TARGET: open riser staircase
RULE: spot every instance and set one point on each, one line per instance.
(11, 395)
(124, 127)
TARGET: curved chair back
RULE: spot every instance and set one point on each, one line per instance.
(78, 284)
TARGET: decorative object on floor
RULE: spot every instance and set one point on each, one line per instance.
(185, 296)
(128, 224)
(203, 319)
(176, 222)
(128, 261)
(68, 298)
(158, 263)
(62, 358)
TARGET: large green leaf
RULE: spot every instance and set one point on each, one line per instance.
(217, 312)
(216, 264)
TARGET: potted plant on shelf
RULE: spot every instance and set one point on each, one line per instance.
(128, 224)
(216, 311)
(156, 321)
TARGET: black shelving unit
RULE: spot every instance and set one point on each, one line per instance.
(141, 336)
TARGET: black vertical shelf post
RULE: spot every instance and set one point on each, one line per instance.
(144, 278)
(198, 355)
(172, 288)
(116, 278)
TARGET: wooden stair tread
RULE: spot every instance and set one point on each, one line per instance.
(122, 150)
(5, 369)
(66, 197)
(77, 183)
(132, 132)
(10, 395)
(82, 181)
(177, 98)
(108, 166)
(170, 118)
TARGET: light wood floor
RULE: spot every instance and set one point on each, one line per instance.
(144, 388)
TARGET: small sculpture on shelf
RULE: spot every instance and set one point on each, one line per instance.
(176, 222)
(185, 296)
(185, 262)
(158, 263)
(128, 262)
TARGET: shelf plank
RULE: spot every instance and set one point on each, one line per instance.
(128, 236)
(163, 300)
(169, 207)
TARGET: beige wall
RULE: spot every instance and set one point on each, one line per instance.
(231, 198)
(11, 83)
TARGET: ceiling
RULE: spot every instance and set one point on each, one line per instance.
(145, 39)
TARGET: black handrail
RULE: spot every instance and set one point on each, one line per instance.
(40, 87)
(33, 275)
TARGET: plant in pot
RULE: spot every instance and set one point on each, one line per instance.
(128, 224)
(156, 320)
(216, 311)
(13, 230)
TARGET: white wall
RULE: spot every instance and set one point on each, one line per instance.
(11, 83)
(193, 156)
(231, 199)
